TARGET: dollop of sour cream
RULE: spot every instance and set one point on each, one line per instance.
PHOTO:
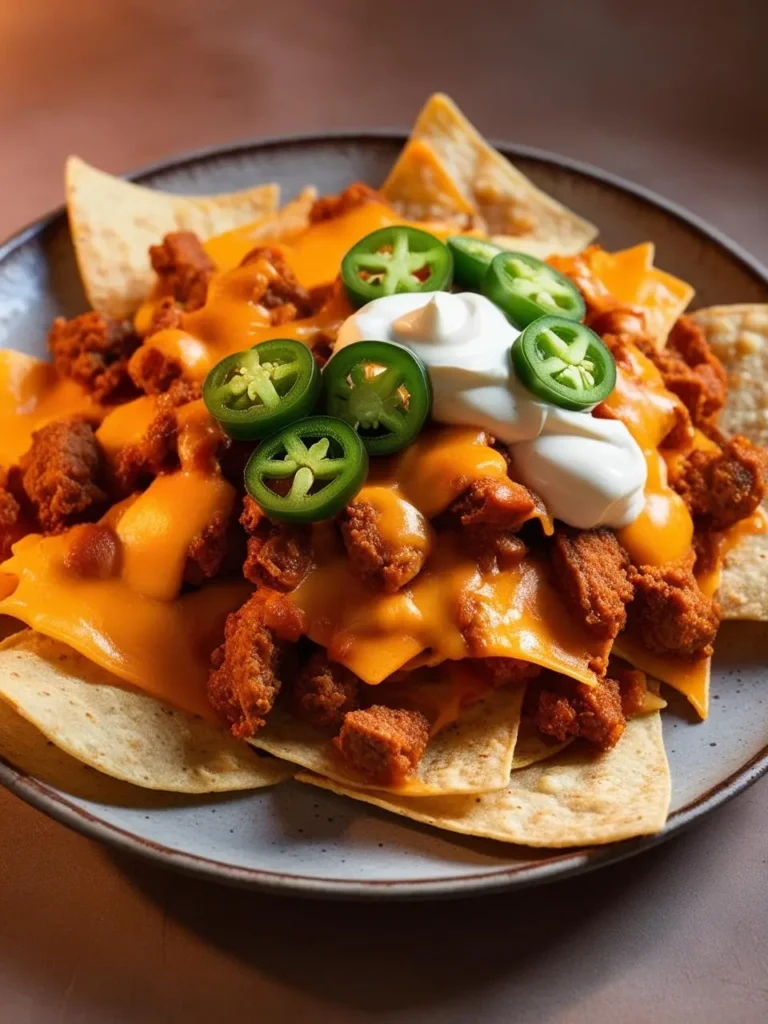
(589, 472)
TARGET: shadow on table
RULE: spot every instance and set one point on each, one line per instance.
(388, 956)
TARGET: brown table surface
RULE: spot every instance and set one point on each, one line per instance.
(671, 94)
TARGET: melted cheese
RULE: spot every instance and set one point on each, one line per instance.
(227, 324)
(230, 320)
(126, 424)
(137, 623)
(31, 395)
(628, 278)
(515, 613)
(161, 646)
(623, 272)
(158, 528)
(134, 624)
(663, 532)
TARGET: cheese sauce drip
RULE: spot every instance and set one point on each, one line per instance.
(590, 472)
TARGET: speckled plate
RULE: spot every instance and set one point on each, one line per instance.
(297, 839)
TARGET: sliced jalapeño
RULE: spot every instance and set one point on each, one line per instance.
(395, 259)
(381, 390)
(256, 392)
(307, 471)
(471, 259)
(564, 363)
(525, 288)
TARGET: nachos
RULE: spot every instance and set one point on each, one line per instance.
(413, 492)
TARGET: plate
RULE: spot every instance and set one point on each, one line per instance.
(301, 840)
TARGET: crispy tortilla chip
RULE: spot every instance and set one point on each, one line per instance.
(113, 222)
(739, 338)
(474, 755)
(422, 188)
(743, 590)
(577, 798)
(227, 250)
(25, 748)
(122, 732)
(503, 201)
(533, 746)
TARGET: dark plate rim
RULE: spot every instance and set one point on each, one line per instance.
(562, 864)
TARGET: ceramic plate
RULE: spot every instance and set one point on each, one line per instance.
(302, 840)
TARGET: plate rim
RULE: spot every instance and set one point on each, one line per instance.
(562, 864)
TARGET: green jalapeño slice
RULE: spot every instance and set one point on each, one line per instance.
(254, 393)
(524, 289)
(381, 390)
(471, 259)
(564, 363)
(308, 471)
(395, 259)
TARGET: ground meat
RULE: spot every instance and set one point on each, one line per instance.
(152, 371)
(620, 324)
(632, 685)
(137, 463)
(324, 692)
(670, 614)
(383, 744)
(12, 527)
(380, 564)
(184, 268)
(245, 676)
(279, 554)
(490, 512)
(596, 296)
(94, 350)
(62, 472)
(280, 292)
(494, 502)
(93, 551)
(691, 371)
(565, 709)
(507, 671)
(590, 569)
(706, 548)
(167, 316)
(328, 207)
(724, 487)
(622, 329)
(208, 550)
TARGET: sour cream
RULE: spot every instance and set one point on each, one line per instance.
(589, 472)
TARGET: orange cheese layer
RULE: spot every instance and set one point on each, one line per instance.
(629, 278)
(514, 613)
(135, 623)
(227, 324)
(230, 321)
(663, 532)
(31, 395)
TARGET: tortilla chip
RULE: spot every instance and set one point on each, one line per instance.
(474, 755)
(739, 338)
(503, 201)
(577, 798)
(92, 716)
(533, 746)
(25, 748)
(422, 188)
(743, 590)
(113, 222)
(228, 250)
